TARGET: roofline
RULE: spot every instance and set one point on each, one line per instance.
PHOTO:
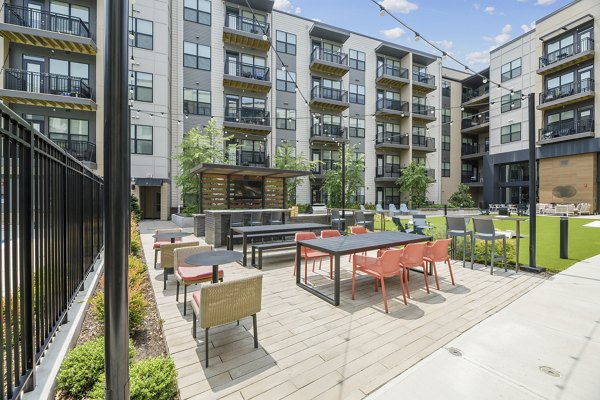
(545, 17)
(521, 36)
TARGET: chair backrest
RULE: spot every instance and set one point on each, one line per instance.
(335, 214)
(359, 216)
(378, 207)
(485, 226)
(413, 254)
(327, 233)
(358, 230)
(167, 252)
(419, 219)
(237, 219)
(403, 207)
(392, 207)
(398, 223)
(230, 301)
(304, 236)
(180, 254)
(390, 261)
(256, 217)
(362, 207)
(276, 217)
(585, 208)
(171, 230)
(438, 250)
(456, 224)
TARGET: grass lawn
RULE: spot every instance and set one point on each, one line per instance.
(584, 242)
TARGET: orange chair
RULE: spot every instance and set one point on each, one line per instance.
(386, 266)
(438, 251)
(413, 257)
(358, 230)
(327, 233)
(310, 253)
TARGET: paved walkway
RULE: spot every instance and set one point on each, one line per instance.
(545, 345)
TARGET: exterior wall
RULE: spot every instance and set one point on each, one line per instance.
(570, 179)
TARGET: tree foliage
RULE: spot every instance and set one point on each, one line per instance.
(414, 182)
(332, 183)
(462, 197)
(286, 158)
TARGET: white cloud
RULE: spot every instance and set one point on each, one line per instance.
(402, 6)
(286, 6)
(445, 44)
(544, 2)
(478, 58)
(476, 6)
(522, 1)
(501, 38)
(490, 10)
(298, 10)
(526, 28)
(393, 33)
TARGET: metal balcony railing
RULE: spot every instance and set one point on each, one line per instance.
(475, 120)
(585, 44)
(83, 151)
(335, 57)
(431, 173)
(36, 82)
(470, 93)
(386, 69)
(389, 104)
(327, 130)
(321, 92)
(323, 166)
(422, 109)
(243, 70)
(566, 128)
(247, 25)
(388, 171)
(426, 79)
(568, 89)
(248, 116)
(474, 148)
(466, 178)
(423, 141)
(44, 20)
(252, 158)
(391, 138)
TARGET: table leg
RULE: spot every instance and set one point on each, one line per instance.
(245, 245)
(172, 240)
(215, 274)
(517, 245)
(336, 288)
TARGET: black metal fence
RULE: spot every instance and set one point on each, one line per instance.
(51, 233)
(45, 20)
(36, 82)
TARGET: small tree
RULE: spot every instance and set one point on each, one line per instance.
(354, 178)
(462, 197)
(414, 181)
(199, 146)
(286, 158)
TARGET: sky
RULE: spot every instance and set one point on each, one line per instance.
(467, 29)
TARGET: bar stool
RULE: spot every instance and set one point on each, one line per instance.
(483, 229)
(457, 227)
(359, 219)
(337, 221)
(256, 219)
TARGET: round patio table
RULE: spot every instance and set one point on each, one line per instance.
(214, 258)
(171, 235)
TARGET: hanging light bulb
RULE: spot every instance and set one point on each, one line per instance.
(265, 37)
(462, 109)
(283, 67)
(485, 80)
(131, 35)
(417, 37)
(381, 11)
(444, 55)
(186, 116)
(178, 122)
(132, 60)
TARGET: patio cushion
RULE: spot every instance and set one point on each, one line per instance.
(196, 297)
(157, 244)
(189, 274)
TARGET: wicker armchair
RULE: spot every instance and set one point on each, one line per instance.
(223, 303)
(187, 274)
(158, 243)
(167, 257)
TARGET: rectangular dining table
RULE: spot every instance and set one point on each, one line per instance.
(345, 245)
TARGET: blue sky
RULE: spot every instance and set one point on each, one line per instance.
(468, 29)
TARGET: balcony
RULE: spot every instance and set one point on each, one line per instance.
(392, 140)
(323, 166)
(251, 158)
(239, 75)
(329, 99)
(476, 123)
(391, 108)
(472, 180)
(329, 62)
(246, 32)
(326, 133)
(567, 56)
(423, 143)
(47, 90)
(567, 130)
(83, 151)
(391, 76)
(430, 173)
(567, 94)
(423, 112)
(476, 97)
(471, 151)
(46, 29)
(247, 120)
(388, 173)
(423, 83)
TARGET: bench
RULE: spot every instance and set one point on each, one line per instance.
(261, 236)
(269, 246)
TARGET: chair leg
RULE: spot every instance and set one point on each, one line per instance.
(405, 272)
(425, 276)
(155, 257)
(383, 293)
(194, 324)
(492, 260)
(184, 298)
(376, 284)
(177, 292)
(504, 253)
(472, 250)
(305, 269)
(486, 253)
(402, 287)
(206, 346)
(450, 268)
(353, 281)
(320, 262)
(437, 282)
(255, 331)
(164, 279)
(464, 250)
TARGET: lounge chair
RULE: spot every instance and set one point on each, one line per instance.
(379, 208)
(404, 209)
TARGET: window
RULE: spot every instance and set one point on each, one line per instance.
(286, 118)
(510, 133)
(286, 80)
(68, 68)
(510, 101)
(140, 86)
(141, 30)
(141, 139)
(446, 142)
(68, 130)
(286, 42)
(196, 56)
(446, 88)
(511, 70)
(446, 116)
(72, 10)
(357, 94)
(445, 169)
(356, 128)
(197, 11)
(196, 102)
(357, 60)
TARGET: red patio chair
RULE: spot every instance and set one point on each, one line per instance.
(310, 253)
(358, 230)
(438, 251)
(413, 257)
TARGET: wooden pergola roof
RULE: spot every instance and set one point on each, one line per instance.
(233, 170)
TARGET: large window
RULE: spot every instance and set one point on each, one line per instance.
(69, 68)
(510, 133)
(446, 142)
(357, 94)
(446, 115)
(141, 139)
(196, 56)
(72, 10)
(356, 127)
(286, 118)
(141, 32)
(286, 80)
(446, 91)
(197, 11)
(511, 70)
(64, 129)
(140, 86)
(196, 102)
(357, 60)
(445, 169)
(286, 42)
(510, 101)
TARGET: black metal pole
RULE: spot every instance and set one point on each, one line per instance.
(532, 181)
(564, 237)
(116, 200)
(344, 185)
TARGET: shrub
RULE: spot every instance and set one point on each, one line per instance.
(369, 206)
(149, 379)
(462, 197)
(135, 247)
(480, 250)
(137, 308)
(134, 206)
(137, 271)
(302, 208)
(82, 366)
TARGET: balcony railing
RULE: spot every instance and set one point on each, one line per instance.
(470, 93)
(386, 69)
(566, 128)
(474, 148)
(568, 89)
(44, 20)
(323, 166)
(335, 57)
(426, 79)
(586, 44)
(321, 92)
(472, 178)
(252, 158)
(36, 82)
(388, 171)
(326, 130)
(423, 141)
(247, 25)
(248, 116)
(391, 138)
(475, 120)
(422, 109)
(389, 104)
(250, 71)
(83, 151)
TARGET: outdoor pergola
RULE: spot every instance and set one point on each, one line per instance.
(224, 187)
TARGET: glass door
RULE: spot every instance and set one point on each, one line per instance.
(33, 15)
(232, 62)
(33, 75)
(585, 79)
